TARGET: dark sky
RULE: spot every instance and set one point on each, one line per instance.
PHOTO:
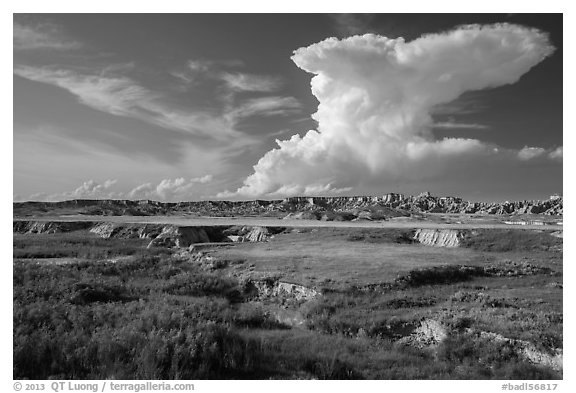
(182, 106)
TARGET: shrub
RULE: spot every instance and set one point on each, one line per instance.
(439, 275)
(199, 284)
(85, 293)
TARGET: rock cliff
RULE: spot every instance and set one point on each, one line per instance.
(324, 208)
(438, 237)
(171, 236)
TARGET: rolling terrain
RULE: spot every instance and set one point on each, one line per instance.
(409, 295)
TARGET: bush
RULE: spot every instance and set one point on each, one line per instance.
(481, 359)
(439, 275)
(199, 284)
(85, 293)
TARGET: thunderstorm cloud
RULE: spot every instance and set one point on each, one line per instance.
(376, 98)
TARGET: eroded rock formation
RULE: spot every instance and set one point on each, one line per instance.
(171, 236)
(431, 333)
(327, 208)
(274, 288)
(438, 237)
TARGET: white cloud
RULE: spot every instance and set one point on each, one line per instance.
(248, 82)
(122, 96)
(198, 65)
(177, 189)
(295, 189)
(376, 96)
(41, 37)
(266, 106)
(116, 95)
(89, 189)
(199, 69)
(38, 196)
(169, 189)
(203, 179)
(92, 189)
(232, 82)
(142, 191)
(205, 65)
(529, 153)
(557, 154)
(183, 77)
(310, 190)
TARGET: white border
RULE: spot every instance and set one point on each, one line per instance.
(298, 6)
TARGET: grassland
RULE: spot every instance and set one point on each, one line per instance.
(361, 256)
(116, 309)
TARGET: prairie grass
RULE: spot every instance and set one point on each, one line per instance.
(156, 316)
(503, 240)
(78, 244)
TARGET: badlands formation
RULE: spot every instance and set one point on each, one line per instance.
(315, 208)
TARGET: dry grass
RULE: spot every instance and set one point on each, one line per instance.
(323, 255)
(164, 317)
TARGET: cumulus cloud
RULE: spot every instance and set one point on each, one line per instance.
(39, 196)
(92, 189)
(142, 191)
(169, 189)
(311, 190)
(44, 36)
(376, 96)
(557, 154)
(296, 189)
(529, 153)
(177, 189)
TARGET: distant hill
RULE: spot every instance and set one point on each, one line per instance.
(321, 208)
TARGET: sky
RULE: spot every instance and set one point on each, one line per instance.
(176, 107)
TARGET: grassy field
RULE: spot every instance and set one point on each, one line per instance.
(155, 315)
(78, 244)
(330, 256)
